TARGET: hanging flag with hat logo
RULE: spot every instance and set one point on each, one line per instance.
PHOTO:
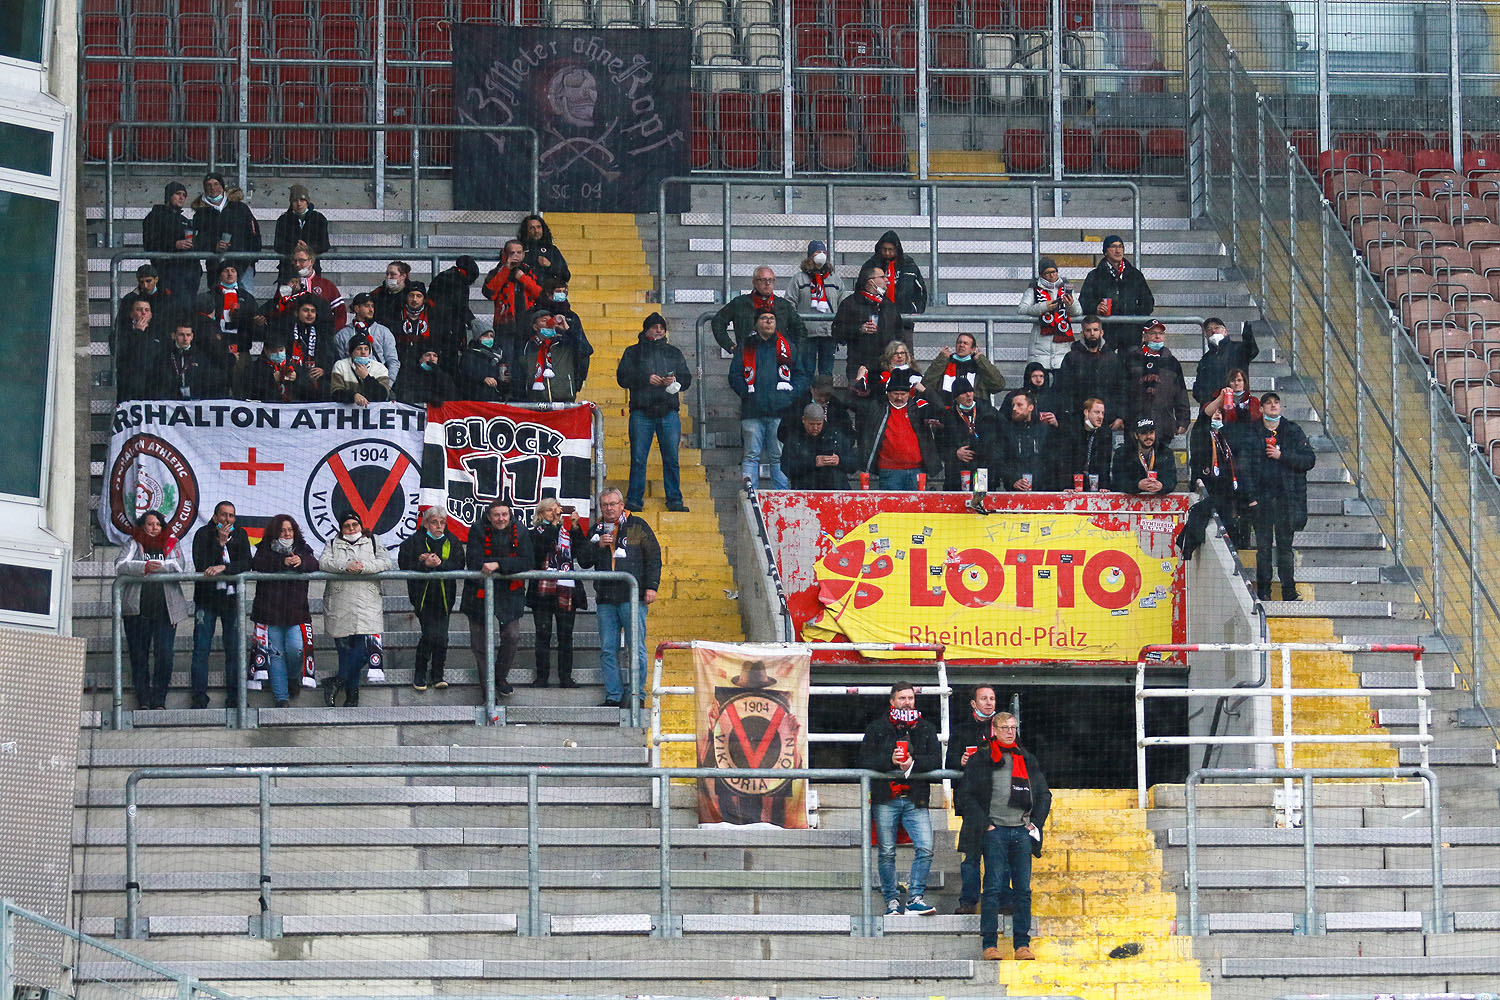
(752, 714)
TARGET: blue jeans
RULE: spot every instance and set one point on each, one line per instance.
(903, 480)
(284, 644)
(759, 437)
(204, 622)
(1007, 873)
(903, 812)
(817, 354)
(614, 619)
(668, 433)
(354, 654)
(968, 873)
(142, 635)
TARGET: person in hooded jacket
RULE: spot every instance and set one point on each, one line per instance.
(867, 321)
(152, 611)
(1091, 372)
(168, 228)
(555, 300)
(484, 369)
(426, 383)
(904, 283)
(816, 289)
(430, 549)
(1222, 356)
(224, 224)
(1050, 405)
(390, 294)
(359, 379)
(497, 545)
(1115, 287)
(1050, 301)
(448, 307)
(1025, 452)
(353, 610)
(656, 374)
(301, 226)
(547, 366)
(1278, 463)
(1003, 801)
(274, 376)
(1155, 386)
(541, 253)
(555, 537)
(281, 607)
(972, 436)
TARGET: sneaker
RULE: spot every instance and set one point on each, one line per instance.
(282, 703)
(892, 907)
(678, 508)
(503, 690)
(419, 685)
(920, 906)
(963, 908)
(1025, 954)
(992, 954)
(441, 684)
(200, 701)
(635, 508)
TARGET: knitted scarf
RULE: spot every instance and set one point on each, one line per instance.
(492, 550)
(759, 302)
(559, 559)
(890, 280)
(304, 342)
(817, 293)
(413, 326)
(1221, 443)
(1054, 321)
(1118, 270)
(1020, 781)
(903, 718)
(543, 363)
(783, 363)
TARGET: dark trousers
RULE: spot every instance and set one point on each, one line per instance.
(432, 647)
(505, 653)
(1273, 529)
(543, 615)
(354, 656)
(1007, 877)
(142, 635)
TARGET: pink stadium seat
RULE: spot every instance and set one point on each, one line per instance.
(1385, 258)
(1393, 159)
(1374, 232)
(1472, 397)
(1479, 235)
(1439, 335)
(1119, 150)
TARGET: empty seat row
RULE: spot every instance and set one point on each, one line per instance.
(1407, 142)
(739, 130)
(1110, 150)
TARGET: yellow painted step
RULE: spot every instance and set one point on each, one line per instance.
(1043, 972)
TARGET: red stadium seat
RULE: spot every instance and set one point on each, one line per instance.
(904, 55)
(102, 108)
(197, 38)
(349, 104)
(400, 109)
(439, 108)
(1305, 141)
(150, 38)
(837, 150)
(1168, 146)
(477, 10)
(700, 152)
(942, 13)
(434, 39)
(1078, 15)
(865, 85)
(1408, 142)
(812, 41)
(1391, 159)
(814, 78)
(806, 12)
(954, 51)
(1078, 150)
(830, 112)
(1119, 150)
(1356, 142)
(740, 137)
(1431, 161)
(770, 103)
(260, 111)
(430, 8)
(292, 32)
(846, 11)
(1025, 150)
(1332, 159)
(860, 41)
(992, 15)
(153, 103)
(201, 102)
(299, 105)
(346, 75)
(342, 32)
(1481, 161)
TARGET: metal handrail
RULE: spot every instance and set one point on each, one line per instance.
(265, 921)
(943, 689)
(1440, 921)
(381, 129)
(1286, 692)
(930, 190)
(239, 717)
(765, 561)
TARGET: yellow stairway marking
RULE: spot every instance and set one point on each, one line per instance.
(1325, 715)
(1099, 884)
(615, 286)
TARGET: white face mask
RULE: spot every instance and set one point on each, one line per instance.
(282, 545)
(306, 272)
(1216, 339)
(353, 536)
(820, 259)
(393, 283)
(285, 290)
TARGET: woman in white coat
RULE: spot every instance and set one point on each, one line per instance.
(152, 610)
(352, 610)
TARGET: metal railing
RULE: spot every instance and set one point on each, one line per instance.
(265, 922)
(380, 130)
(943, 689)
(1390, 423)
(930, 191)
(765, 563)
(1286, 692)
(22, 982)
(239, 715)
(1439, 922)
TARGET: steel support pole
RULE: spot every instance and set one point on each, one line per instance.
(1036, 228)
(1309, 878)
(380, 105)
(1475, 630)
(263, 788)
(1234, 174)
(7, 951)
(241, 713)
(1455, 87)
(788, 100)
(924, 96)
(1260, 195)
(244, 109)
(1395, 332)
(1140, 737)
(1291, 257)
(416, 182)
(661, 245)
(866, 910)
(1191, 801)
(533, 858)
(117, 689)
(1327, 337)
(1434, 522)
(664, 875)
(1320, 38)
(491, 716)
(132, 864)
(1435, 820)
(1055, 84)
(932, 240)
(636, 636)
(724, 234)
(109, 194)
(1359, 376)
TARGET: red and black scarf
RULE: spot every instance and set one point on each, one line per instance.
(760, 302)
(1118, 270)
(817, 293)
(1055, 321)
(783, 363)
(1020, 780)
(414, 327)
(890, 280)
(492, 553)
(543, 363)
(903, 719)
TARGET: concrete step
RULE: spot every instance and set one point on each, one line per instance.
(1329, 609)
(1341, 836)
(247, 756)
(1478, 756)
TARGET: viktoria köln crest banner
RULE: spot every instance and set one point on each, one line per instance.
(752, 713)
(312, 461)
(478, 452)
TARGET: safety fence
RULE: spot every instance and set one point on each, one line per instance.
(937, 664)
(1392, 425)
(1439, 920)
(241, 716)
(1286, 737)
(264, 922)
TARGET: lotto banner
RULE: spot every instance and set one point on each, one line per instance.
(752, 713)
(312, 461)
(479, 452)
(1082, 577)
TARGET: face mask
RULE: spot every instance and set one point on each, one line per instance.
(428, 366)
(305, 272)
(353, 536)
(214, 201)
(1090, 424)
(285, 290)
(282, 545)
(966, 409)
(984, 715)
(1272, 421)
(302, 211)
(229, 286)
(559, 296)
(819, 259)
(436, 536)
(1217, 423)
(1155, 345)
(546, 333)
(393, 283)
(360, 362)
(184, 348)
(962, 357)
(277, 357)
(487, 341)
(1216, 339)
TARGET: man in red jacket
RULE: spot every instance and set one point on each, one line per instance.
(512, 287)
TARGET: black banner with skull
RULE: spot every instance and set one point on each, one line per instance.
(611, 108)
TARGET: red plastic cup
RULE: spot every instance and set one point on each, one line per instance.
(1078, 481)
(965, 480)
(903, 747)
(921, 482)
(1151, 475)
(864, 480)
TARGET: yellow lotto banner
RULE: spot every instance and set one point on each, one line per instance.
(1093, 583)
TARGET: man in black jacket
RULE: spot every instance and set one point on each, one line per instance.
(619, 541)
(448, 308)
(1278, 470)
(425, 382)
(904, 283)
(895, 442)
(969, 732)
(136, 344)
(656, 373)
(1116, 288)
(225, 224)
(1144, 463)
(971, 436)
(1090, 371)
(1003, 800)
(186, 371)
(218, 548)
(301, 226)
(1082, 446)
(1025, 455)
(817, 454)
(901, 740)
(430, 550)
(1222, 357)
(739, 313)
(498, 545)
(542, 255)
(168, 229)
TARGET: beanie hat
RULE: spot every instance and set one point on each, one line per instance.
(175, 186)
(1111, 240)
(468, 265)
(1045, 264)
(654, 319)
(297, 191)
